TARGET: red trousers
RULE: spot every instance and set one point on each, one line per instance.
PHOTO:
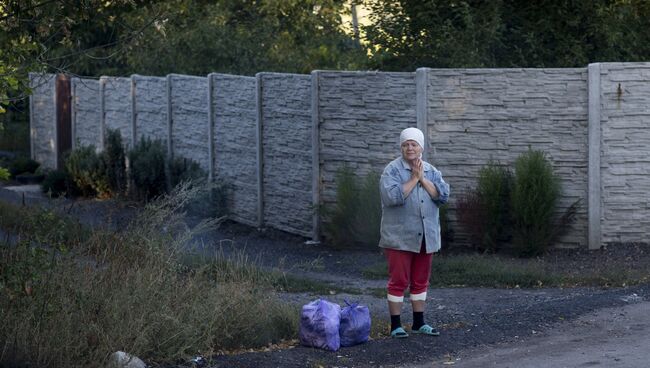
(408, 270)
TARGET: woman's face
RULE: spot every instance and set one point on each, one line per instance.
(411, 150)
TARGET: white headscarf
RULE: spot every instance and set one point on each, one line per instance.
(413, 134)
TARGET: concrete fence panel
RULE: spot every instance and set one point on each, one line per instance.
(625, 150)
(235, 160)
(85, 112)
(43, 119)
(189, 120)
(117, 107)
(150, 100)
(478, 115)
(360, 117)
(287, 155)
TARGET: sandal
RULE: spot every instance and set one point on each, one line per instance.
(398, 333)
(426, 330)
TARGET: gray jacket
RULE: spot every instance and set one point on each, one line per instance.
(405, 220)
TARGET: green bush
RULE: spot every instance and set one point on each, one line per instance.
(58, 183)
(356, 217)
(22, 165)
(494, 182)
(114, 162)
(534, 197)
(484, 212)
(183, 169)
(88, 171)
(147, 166)
(4, 174)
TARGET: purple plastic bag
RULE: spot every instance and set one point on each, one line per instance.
(355, 324)
(319, 325)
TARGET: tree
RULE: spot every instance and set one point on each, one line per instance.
(58, 36)
(407, 34)
(243, 37)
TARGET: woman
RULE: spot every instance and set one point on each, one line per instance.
(411, 192)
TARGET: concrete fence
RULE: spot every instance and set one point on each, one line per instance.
(279, 139)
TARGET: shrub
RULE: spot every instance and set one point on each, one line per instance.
(88, 171)
(21, 165)
(183, 169)
(148, 168)
(446, 231)
(356, 217)
(534, 197)
(114, 162)
(131, 291)
(472, 216)
(4, 174)
(483, 212)
(58, 183)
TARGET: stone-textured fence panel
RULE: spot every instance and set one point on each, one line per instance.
(151, 108)
(361, 115)
(86, 128)
(287, 154)
(625, 160)
(235, 144)
(262, 135)
(43, 119)
(117, 107)
(477, 115)
(189, 98)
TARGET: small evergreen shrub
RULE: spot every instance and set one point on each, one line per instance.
(88, 171)
(183, 169)
(356, 217)
(114, 162)
(148, 168)
(22, 165)
(483, 211)
(58, 183)
(4, 174)
(534, 198)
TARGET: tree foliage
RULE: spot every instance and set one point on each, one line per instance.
(406, 34)
(243, 37)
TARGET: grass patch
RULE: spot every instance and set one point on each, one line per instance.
(80, 298)
(501, 272)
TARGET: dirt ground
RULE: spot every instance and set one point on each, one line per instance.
(479, 326)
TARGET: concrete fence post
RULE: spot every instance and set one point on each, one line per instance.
(170, 121)
(211, 127)
(73, 113)
(259, 121)
(315, 154)
(421, 83)
(102, 111)
(134, 113)
(32, 129)
(594, 192)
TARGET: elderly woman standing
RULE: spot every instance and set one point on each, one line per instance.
(411, 191)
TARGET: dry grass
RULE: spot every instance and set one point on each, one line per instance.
(69, 301)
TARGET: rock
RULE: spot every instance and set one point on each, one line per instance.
(120, 359)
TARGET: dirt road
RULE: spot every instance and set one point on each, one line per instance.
(611, 337)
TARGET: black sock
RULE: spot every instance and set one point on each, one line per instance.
(395, 322)
(418, 320)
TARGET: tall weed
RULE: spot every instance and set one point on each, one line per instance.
(356, 217)
(131, 291)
